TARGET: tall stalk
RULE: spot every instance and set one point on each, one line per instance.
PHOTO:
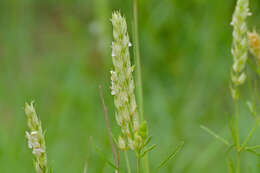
(236, 139)
(127, 162)
(138, 61)
(139, 76)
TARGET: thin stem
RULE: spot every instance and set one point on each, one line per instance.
(127, 162)
(137, 60)
(236, 140)
(249, 136)
(253, 147)
(138, 164)
(215, 135)
(236, 124)
(139, 75)
(238, 162)
(116, 160)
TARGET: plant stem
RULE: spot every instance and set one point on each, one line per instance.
(236, 124)
(237, 143)
(138, 164)
(238, 162)
(137, 61)
(139, 76)
(116, 160)
(253, 147)
(127, 162)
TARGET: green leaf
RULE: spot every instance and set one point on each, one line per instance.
(148, 149)
(253, 147)
(253, 152)
(148, 140)
(229, 149)
(215, 135)
(170, 156)
(103, 157)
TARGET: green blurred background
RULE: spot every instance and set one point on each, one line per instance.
(57, 52)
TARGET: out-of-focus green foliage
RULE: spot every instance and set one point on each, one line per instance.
(58, 52)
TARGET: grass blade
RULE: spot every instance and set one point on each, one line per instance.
(253, 147)
(215, 135)
(253, 152)
(103, 157)
(170, 156)
(148, 149)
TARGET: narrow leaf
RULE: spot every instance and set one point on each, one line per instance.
(148, 149)
(215, 135)
(170, 156)
(148, 140)
(103, 157)
(253, 152)
(253, 147)
(229, 149)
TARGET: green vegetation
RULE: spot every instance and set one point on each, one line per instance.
(58, 53)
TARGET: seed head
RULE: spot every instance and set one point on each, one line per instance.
(240, 44)
(122, 85)
(35, 138)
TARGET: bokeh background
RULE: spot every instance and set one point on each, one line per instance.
(58, 52)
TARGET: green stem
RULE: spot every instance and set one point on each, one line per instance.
(137, 60)
(139, 76)
(127, 162)
(253, 147)
(138, 164)
(236, 123)
(236, 140)
(238, 162)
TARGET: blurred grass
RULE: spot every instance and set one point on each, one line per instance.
(58, 52)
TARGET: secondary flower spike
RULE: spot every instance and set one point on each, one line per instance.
(240, 45)
(36, 140)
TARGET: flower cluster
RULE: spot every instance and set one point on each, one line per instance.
(240, 45)
(123, 87)
(36, 140)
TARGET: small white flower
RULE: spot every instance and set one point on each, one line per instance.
(38, 151)
(32, 139)
(121, 143)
